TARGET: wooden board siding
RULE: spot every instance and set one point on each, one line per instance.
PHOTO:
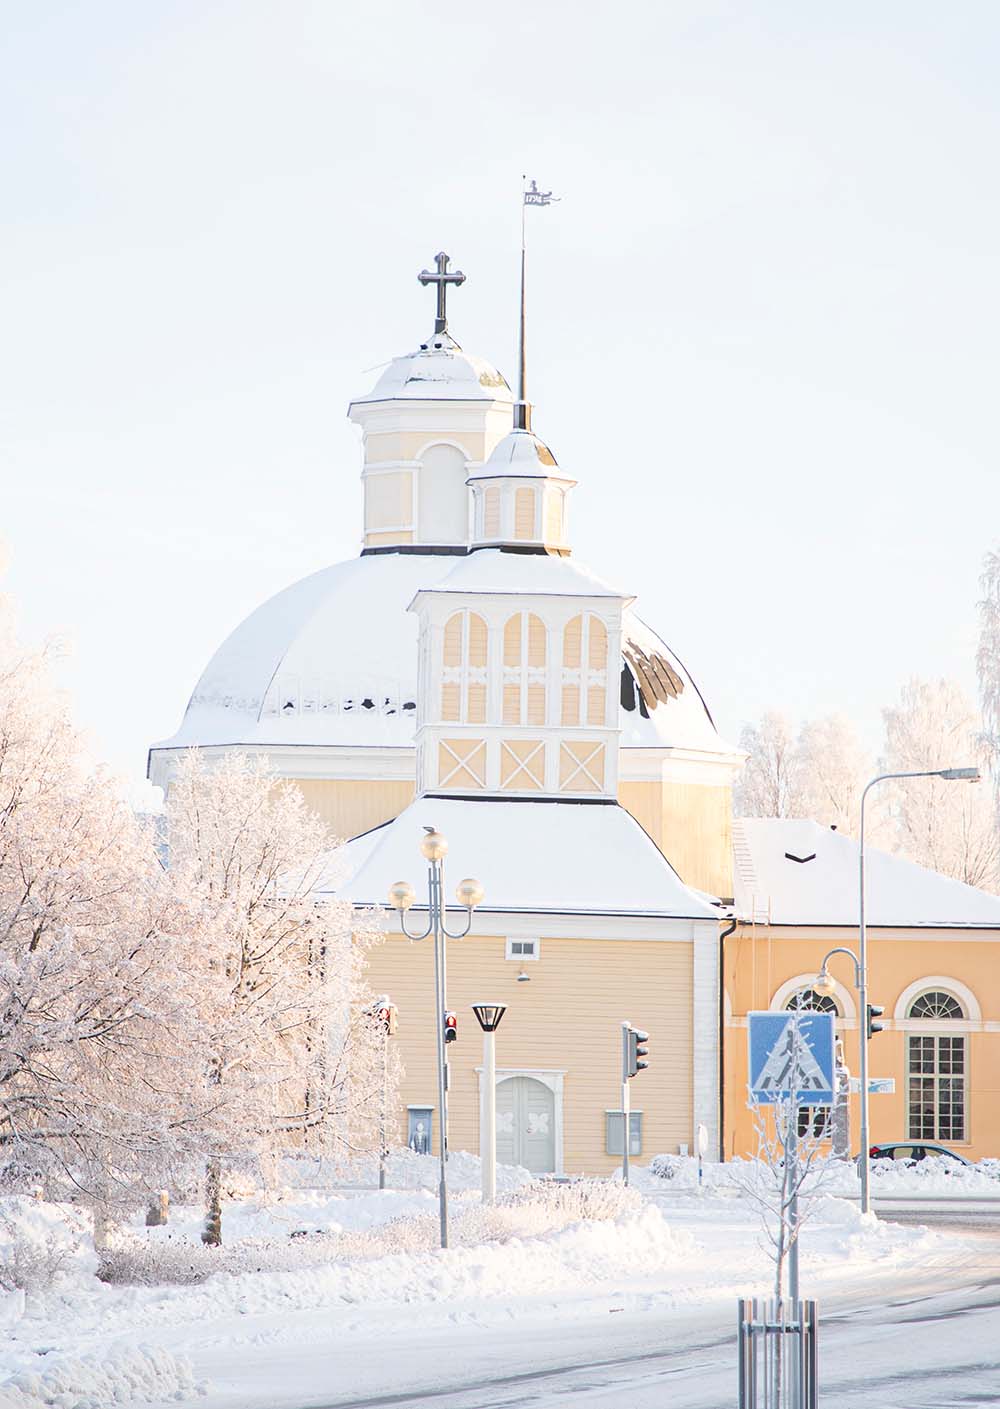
(352, 806)
(692, 826)
(566, 1019)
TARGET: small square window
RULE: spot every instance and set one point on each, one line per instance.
(420, 1129)
(615, 1124)
(522, 949)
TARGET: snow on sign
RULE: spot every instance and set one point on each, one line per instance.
(787, 1050)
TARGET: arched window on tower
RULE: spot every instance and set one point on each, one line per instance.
(585, 672)
(524, 513)
(936, 1069)
(524, 658)
(491, 511)
(463, 678)
(442, 496)
(554, 509)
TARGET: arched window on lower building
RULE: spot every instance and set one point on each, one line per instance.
(814, 1121)
(807, 1000)
(936, 1068)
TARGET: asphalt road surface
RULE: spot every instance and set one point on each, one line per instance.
(934, 1346)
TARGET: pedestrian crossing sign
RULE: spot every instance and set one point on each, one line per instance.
(790, 1057)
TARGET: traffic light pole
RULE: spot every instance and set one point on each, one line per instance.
(626, 1102)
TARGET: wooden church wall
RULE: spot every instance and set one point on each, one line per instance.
(566, 1021)
(692, 826)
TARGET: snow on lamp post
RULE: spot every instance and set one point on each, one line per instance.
(489, 1015)
(401, 897)
(968, 775)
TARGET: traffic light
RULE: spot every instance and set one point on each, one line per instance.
(874, 1013)
(388, 1016)
(636, 1051)
(450, 1027)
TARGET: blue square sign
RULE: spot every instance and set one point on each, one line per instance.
(791, 1049)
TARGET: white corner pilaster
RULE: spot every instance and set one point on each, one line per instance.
(705, 1034)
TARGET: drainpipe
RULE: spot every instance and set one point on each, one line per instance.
(722, 1038)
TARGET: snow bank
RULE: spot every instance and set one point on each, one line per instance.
(150, 1257)
(890, 1178)
(404, 1170)
(140, 1374)
(42, 1243)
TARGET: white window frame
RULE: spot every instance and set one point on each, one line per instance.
(522, 958)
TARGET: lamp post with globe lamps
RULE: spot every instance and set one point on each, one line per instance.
(469, 894)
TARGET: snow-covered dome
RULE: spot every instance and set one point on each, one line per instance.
(520, 454)
(439, 371)
(332, 662)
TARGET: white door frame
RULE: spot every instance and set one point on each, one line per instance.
(554, 1081)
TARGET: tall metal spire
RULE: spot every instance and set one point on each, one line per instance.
(522, 407)
(442, 279)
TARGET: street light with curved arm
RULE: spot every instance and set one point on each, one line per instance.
(968, 775)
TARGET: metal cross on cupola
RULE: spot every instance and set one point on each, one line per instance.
(442, 278)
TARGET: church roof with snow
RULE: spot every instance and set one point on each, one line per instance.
(531, 857)
(798, 872)
(491, 570)
(438, 370)
(332, 661)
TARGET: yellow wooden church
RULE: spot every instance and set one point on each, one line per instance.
(465, 673)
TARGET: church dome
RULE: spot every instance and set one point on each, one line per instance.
(438, 370)
(331, 661)
(522, 456)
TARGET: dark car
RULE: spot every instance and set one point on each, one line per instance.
(913, 1150)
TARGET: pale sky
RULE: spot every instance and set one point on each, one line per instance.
(762, 321)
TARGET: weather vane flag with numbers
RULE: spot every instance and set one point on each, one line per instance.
(522, 412)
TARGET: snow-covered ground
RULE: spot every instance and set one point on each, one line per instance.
(319, 1285)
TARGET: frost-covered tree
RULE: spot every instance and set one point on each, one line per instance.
(988, 657)
(832, 768)
(788, 1171)
(817, 771)
(98, 1030)
(949, 827)
(769, 784)
(296, 1060)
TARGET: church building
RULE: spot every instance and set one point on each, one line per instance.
(465, 673)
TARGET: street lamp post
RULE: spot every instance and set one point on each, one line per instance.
(469, 894)
(969, 775)
(489, 1015)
